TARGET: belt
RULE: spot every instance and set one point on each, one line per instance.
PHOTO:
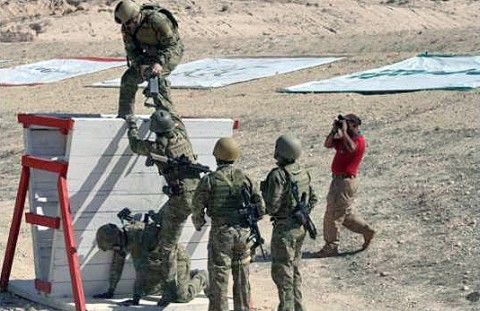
(344, 176)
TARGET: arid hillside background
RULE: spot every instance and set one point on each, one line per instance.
(419, 183)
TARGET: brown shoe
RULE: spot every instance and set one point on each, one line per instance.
(368, 236)
(326, 251)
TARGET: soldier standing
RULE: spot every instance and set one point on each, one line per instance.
(219, 196)
(140, 241)
(288, 232)
(153, 46)
(172, 142)
(350, 145)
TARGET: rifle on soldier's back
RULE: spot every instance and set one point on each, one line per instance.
(250, 211)
(126, 215)
(302, 211)
(181, 164)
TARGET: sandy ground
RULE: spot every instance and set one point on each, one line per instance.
(419, 179)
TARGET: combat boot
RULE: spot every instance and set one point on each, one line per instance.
(368, 237)
(167, 298)
(326, 251)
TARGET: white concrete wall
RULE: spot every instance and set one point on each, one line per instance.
(103, 177)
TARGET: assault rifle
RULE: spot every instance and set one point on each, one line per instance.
(250, 211)
(302, 211)
(181, 164)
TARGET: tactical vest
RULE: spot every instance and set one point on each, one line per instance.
(150, 8)
(226, 199)
(145, 35)
(133, 236)
(138, 236)
(174, 147)
(294, 173)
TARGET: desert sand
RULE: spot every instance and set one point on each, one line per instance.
(419, 182)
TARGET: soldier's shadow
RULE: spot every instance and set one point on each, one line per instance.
(311, 255)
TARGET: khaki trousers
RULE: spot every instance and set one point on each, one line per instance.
(340, 211)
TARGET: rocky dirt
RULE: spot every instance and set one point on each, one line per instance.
(420, 177)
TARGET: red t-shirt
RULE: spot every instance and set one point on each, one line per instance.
(346, 162)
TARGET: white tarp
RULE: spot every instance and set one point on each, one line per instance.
(424, 72)
(55, 70)
(218, 72)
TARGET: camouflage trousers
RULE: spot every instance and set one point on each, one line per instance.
(189, 289)
(189, 283)
(286, 248)
(148, 280)
(228, 251)
(129, 88)
(175, 213)
(340, 211)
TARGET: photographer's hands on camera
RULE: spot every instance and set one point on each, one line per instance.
(339, 127)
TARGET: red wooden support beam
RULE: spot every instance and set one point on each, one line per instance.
(30, 119)
(46, 165)
(43, 286)
(60, 167)
(236, 123)
(14, 228)
(40, 220)
(73, 264)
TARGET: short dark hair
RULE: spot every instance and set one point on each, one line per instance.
(353, 119)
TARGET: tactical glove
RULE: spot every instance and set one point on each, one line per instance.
(131, 121)
(107, 295)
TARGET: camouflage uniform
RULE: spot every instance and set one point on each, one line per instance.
(139, 243)
(149, 280)
(180, 188)
(228, 244)
(288, 234)
(156, 40)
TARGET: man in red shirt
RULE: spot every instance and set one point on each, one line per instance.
(350, 145)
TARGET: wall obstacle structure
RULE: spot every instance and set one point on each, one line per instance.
(79, 172)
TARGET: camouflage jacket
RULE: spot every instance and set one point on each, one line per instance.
(218, 195)
(277, 193)
(156, 40)
(140, 244)
(171, 145)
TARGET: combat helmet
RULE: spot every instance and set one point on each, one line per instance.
(108, 236)
(126, 10)
(161, 122)
(287, 148)
(226, 149)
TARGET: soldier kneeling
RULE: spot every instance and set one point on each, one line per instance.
(139, 240)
